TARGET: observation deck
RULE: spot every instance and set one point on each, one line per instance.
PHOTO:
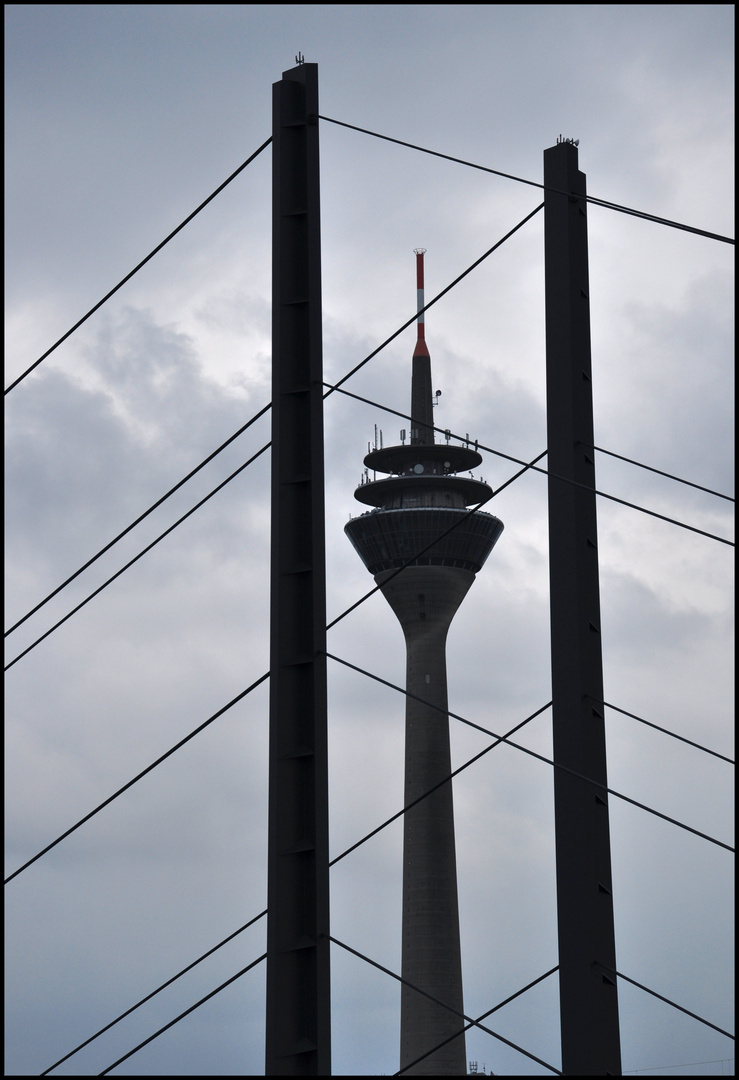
(427, 536)
(420, 512)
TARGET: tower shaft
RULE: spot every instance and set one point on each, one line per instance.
(425, 599)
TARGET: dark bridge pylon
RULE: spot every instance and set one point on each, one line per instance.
(298, 1009)
(588, 993)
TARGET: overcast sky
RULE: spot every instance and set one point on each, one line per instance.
(119, 121)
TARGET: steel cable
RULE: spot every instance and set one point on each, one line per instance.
(667, 1001)
(660, 472)
(337, 859)
(143, 262)
(535, 183)
(330, 391)
(139, 776)
(202, 726)
(672, 734)
(443, 292)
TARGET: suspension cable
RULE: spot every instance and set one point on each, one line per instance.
(136, 268)
(673, 734)
(441, 783)
(668, 1001)
(534, 183)
(660, 472)
(140, 518)
(139, 776)
(131, 782)
(136, 558)
(331, 390)
(338, 858)
(231, 936)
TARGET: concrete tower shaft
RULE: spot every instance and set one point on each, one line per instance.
(425, 600)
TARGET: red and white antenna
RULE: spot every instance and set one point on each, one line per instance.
(420, 349)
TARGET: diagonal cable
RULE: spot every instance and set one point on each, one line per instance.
(143, 262)
(136, 558)
(185, 1013)
(668, 1001)
(539, 757)
(535, 183)
(436, 1001)
(660, 472)
(674, 734)
(467, 1027)
(140, 518)
(155, 992)
(139, 776)
(498, 740)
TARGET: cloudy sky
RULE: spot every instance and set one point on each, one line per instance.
(119, 121)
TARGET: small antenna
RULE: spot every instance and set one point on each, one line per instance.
(420, 349)
(299, 58)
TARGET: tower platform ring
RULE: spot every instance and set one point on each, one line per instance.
(388, 539)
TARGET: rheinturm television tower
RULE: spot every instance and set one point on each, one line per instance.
(420, 523)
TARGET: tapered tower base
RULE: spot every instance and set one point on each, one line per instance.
(425, 600)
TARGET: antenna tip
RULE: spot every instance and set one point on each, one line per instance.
(419, 251)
